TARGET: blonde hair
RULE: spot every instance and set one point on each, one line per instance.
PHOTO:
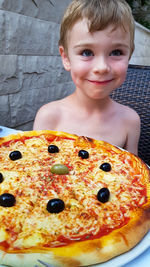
(99, 14)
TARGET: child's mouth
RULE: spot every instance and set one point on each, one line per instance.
(100, 82)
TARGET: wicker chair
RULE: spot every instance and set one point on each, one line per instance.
(135, 92)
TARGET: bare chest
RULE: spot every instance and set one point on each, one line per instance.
(111, 131)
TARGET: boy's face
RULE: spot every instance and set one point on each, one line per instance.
(97, 61)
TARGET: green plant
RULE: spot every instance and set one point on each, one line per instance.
(141, 11)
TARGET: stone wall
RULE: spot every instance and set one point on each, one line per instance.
(31, 72)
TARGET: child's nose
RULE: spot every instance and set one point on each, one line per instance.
(101, 65)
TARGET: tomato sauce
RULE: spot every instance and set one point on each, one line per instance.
(4, 245)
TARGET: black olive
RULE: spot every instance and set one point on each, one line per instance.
(1, 177)
(14, 155)
(7, 200)
(106, 167)
(103, 195)
(55, 205)
(83, 154)
(53, 149)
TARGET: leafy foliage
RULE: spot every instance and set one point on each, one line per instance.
(141, 11)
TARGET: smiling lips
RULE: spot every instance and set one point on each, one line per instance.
(100, 82)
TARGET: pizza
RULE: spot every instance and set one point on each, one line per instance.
(69, 200)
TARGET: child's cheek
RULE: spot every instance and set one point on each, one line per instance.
(80, 68)
(121, 67)
(122, 71)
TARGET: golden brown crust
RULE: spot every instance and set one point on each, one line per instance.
(91, 251)
(34, 133)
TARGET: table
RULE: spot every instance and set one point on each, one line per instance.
(143, 260)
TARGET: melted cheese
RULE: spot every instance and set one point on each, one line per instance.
(3, 234)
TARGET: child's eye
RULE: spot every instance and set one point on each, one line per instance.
(116, 52)
(87, 53)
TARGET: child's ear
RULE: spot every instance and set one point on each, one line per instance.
(65, 58)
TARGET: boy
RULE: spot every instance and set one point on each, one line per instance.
(96, 43)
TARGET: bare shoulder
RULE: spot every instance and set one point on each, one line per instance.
(131, 125)
(49, 108)
(129, 115)
(47, 116)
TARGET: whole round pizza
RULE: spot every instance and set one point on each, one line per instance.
(69, 200)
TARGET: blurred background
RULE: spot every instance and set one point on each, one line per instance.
(31, 72)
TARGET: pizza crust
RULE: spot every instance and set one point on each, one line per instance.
(35, 133)
(91, 251)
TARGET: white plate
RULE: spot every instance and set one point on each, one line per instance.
(4, 131)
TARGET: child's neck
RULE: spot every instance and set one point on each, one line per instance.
(90, 105)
